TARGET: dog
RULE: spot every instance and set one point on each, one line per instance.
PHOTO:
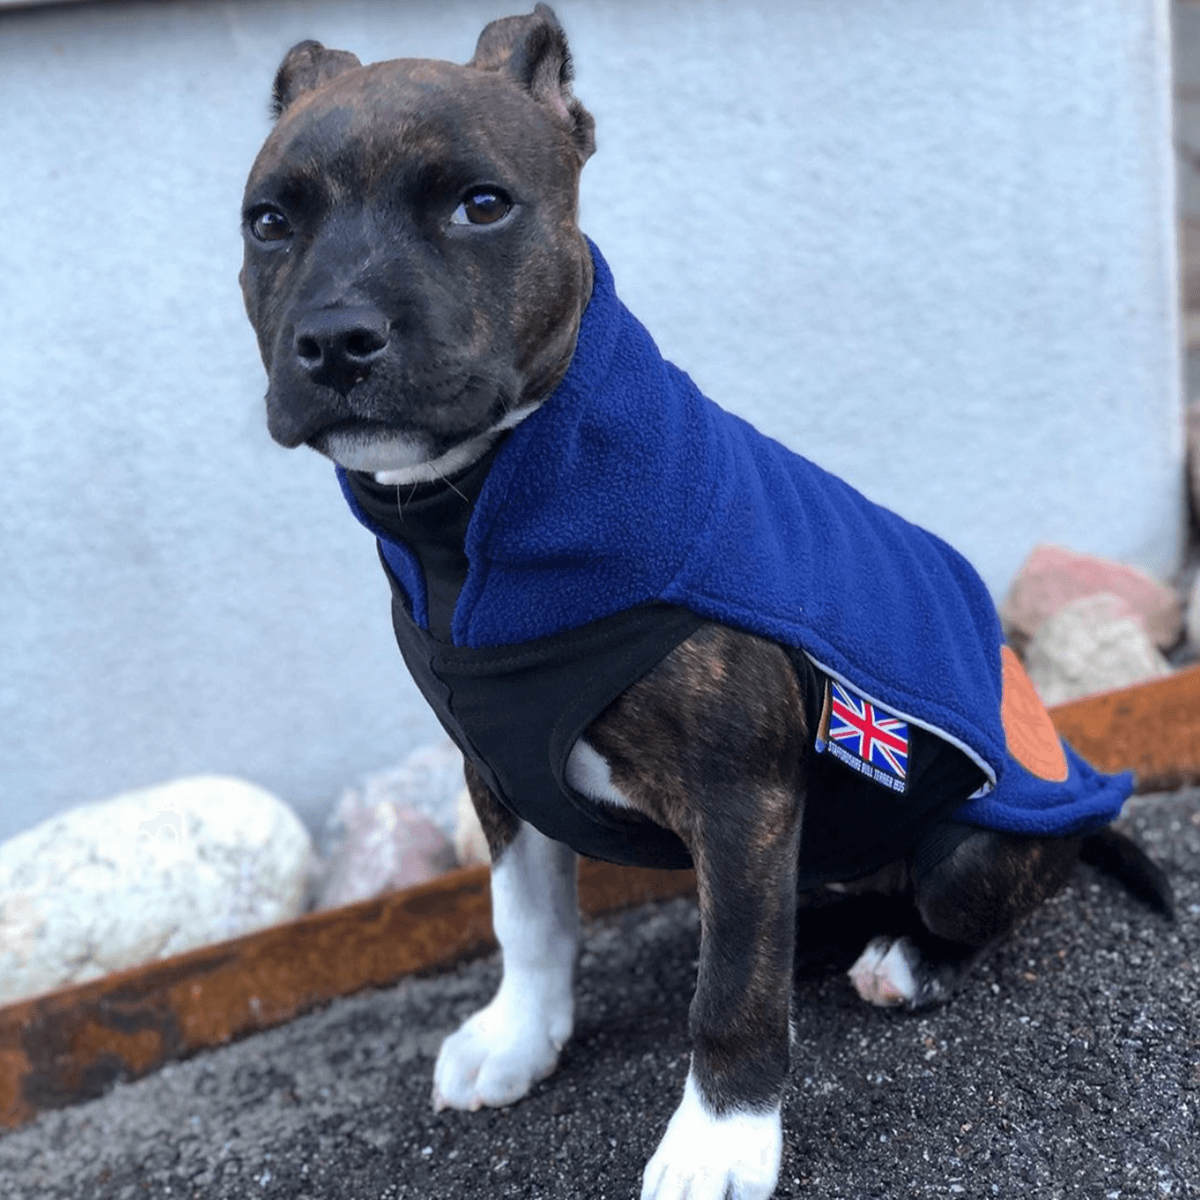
(657, 636)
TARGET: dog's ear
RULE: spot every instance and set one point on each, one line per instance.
(306, 67)
(532, 51)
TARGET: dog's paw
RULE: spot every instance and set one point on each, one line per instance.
(497, 1055)
(886, 972)
(893, 972)
(706, 1156)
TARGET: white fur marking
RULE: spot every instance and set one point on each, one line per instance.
(883, 973)
(497, 1055)
(710, 1156)
(360, 451)
(589, 773)
(515, 416)
(420, 471)
(400, 459)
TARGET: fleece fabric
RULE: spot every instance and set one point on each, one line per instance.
(628, 486)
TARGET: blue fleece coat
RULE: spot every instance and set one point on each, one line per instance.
(628, 485)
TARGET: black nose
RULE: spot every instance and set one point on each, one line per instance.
(338, 346)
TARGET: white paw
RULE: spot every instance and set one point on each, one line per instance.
(497, 1055)
(883, 974)
(706, 1156)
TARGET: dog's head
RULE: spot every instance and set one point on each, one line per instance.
(413, 265)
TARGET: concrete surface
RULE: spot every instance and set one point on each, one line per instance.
(1069, 1068)
(930, 244)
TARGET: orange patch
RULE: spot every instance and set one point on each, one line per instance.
(1028, 729)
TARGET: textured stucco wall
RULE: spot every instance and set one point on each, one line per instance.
(928, 244)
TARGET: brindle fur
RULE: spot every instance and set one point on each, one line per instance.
(499, 823)
(500, 326)
(712, 744)
(722, 720)
(436, 335)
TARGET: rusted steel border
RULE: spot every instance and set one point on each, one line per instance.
(72, 1044)
(1152, 729)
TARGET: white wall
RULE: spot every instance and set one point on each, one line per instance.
(929, 244)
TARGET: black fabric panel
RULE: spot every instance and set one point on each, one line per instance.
(516, 712)
(432, 519)
(853, 826)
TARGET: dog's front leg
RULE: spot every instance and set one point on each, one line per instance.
(724, 1140)
(711, 743)
(497, 1055)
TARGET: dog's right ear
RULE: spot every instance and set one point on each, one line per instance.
(306, 67)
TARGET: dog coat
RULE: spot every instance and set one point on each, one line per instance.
(629, 493)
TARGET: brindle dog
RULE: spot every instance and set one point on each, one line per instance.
(416, 277)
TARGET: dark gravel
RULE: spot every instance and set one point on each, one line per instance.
(1068, 1067)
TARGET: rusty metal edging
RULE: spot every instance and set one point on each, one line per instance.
(1152, 729)
(72, 1044)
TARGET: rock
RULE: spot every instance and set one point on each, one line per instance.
(1192, 429)
(145, 875)
(1052, 577)
(427, 781)
(384, 846)
(393, 828)
(469, 843)
(1092, 644)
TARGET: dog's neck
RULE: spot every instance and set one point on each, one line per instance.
(431, 517)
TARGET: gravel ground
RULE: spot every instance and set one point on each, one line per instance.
(1068, 1067)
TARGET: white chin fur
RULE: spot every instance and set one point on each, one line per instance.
(396, 459)
(362, 452)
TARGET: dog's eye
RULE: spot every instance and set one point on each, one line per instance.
(270, 225)
(482, 206)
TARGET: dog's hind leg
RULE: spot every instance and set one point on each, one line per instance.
(964, 904)
(497, 1055)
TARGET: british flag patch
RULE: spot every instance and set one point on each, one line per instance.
(865, 737)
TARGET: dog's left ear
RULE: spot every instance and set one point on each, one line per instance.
(532, 51)
(306, 67)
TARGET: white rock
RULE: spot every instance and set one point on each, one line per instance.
(1093, 644)
(145, 875)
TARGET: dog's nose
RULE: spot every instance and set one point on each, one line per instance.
(338, 346)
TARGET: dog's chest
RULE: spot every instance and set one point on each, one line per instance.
(520, 712)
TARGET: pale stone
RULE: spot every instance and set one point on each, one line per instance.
(145, 875)
(1093, 644)
(469, 842)
(427, 781)
(1052, 577)
(384, 846)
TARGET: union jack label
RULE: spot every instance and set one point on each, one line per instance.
(865, 737)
